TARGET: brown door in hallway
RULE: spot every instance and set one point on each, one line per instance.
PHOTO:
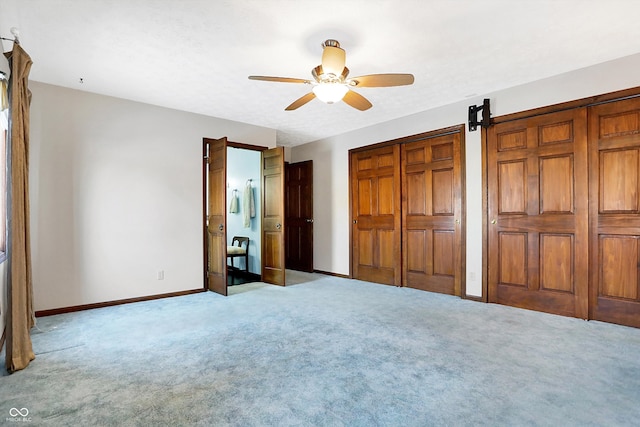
(215, 214)
(432, 229)
(375, 210)
(614, 156)
(273, 218)
(537, 183)
(299, 215)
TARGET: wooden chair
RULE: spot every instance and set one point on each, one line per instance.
(235, 251)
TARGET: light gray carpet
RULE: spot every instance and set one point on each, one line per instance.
(326, 352)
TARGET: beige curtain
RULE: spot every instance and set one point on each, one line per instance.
(20, 316)
(4, 99)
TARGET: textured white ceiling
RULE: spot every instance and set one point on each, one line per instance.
(195, 55)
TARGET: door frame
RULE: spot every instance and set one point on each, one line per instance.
(205, 195)
(564, 106)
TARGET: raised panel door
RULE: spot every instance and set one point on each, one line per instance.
(614, 191)
(375, 209)
(273, 216)
(216, 220)
(299, 216)
(537, 202)
(432, 243)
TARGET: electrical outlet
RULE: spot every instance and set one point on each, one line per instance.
(161, 275)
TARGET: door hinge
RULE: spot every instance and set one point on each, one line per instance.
(207, 159)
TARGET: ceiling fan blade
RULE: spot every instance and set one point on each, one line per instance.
(300, 101)
(278, 79)
(357, 101)
(383, 80)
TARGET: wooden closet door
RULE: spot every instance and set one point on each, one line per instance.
(432, 242)
(375, 209)
(614, 156)
(537, 183)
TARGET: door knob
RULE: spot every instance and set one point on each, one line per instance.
(221, 227)
(309, 220)
(278, 226)
(493, 221)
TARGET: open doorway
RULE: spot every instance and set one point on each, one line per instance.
(243, 216)
(268, 215)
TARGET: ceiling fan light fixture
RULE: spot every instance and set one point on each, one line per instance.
(330, 83)
(330, 92)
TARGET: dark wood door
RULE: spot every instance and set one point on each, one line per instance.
(432, 229)
(537, 199)
(299, 216)
(215, 215)
(614, 191)
(273, 219)
(375, 210)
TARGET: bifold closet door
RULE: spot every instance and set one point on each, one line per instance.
(537, 196)
(432, 241)
(375, 210)
(614, 156)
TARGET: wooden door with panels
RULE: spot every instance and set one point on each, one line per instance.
(299, 216)
(614, 192)
(375, 210)
(432, 229)
(273, 216)
(537, 205)
(215, 197)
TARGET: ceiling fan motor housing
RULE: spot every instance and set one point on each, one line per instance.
(331, 43)
(333, 58)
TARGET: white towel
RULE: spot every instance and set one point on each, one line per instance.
(248, 205)
(234, 205)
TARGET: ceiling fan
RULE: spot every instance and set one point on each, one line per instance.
(331, 84)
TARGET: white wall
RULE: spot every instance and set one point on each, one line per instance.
(116, 196)
(243, 165)
(331, 199)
